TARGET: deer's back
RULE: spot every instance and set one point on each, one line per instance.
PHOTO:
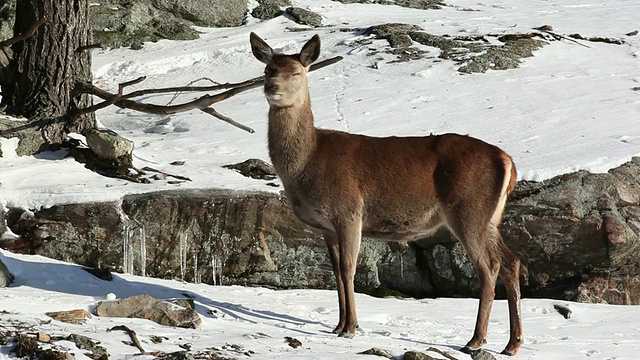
(399, 184)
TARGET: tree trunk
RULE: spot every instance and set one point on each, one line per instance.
(38, 84)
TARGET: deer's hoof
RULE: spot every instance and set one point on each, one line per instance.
(346, 334)
(468, 350)
(513, 346)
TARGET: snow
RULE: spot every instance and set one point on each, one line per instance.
(568, 108)
(258, 319)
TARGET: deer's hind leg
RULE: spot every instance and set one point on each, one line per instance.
(510, 275)
(478, 240)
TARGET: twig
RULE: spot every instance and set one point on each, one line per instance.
(89, 47)
(558, 37)
(132, 335)
(212, 111)
(146, 168)
(175, 96)
(115, 98)
(27, 34)
(129, 83)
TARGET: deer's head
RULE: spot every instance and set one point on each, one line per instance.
(285, 76)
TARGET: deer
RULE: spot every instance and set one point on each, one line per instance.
(347, 186)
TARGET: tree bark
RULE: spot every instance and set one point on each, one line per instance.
(38, 83)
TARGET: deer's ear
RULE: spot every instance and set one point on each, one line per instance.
(260, 49)
(310, 51)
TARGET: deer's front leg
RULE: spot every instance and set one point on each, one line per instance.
(349, 233)
(334, 254)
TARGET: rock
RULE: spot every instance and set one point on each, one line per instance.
(27, 347)
(416, 355)
(144, 306)
(578, 236)
(482, 354)
(415, 4)
(385, 30)
(100, 273)
(6, 277)
(108, 145)
(84, 343)
(78, 316)
(219, 13)
(305, 17)
(293, 342)
(255, 169)
(399, 40)
(7, 18)
(269, 9)
(178, 355)
(563, 310)
(377, 352)
(130, 23)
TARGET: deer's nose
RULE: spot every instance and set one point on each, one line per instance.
(271, 88)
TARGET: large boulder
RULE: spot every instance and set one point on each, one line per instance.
(578, 236)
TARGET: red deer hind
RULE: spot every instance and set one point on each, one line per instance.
(392, 188)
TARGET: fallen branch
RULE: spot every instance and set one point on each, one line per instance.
(132, 335)
(202, 103)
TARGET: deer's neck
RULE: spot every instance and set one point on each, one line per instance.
(292, 138)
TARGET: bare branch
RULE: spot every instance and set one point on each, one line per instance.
(24, 36)
(129, 83)
(212, 111)
(89, 47)
(203, 103)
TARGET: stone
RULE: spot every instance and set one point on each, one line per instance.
(305, 17)
(417, 355)
(399, 40)
(78, 316)
(144, 306)
(219, 13)
(377, 352)
(255, 169)
(118, 23)
(415, 4)
(108, 145)
(269, 9)
(482, 354)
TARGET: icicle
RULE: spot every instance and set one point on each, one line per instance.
(127, 241)
(143, 252)
(401, 266)
(183, 254)
(213, 270)
(127, 251)
(196, 275)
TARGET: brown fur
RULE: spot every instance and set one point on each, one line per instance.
(393, 188)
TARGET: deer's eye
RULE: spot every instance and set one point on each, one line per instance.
(296, 73)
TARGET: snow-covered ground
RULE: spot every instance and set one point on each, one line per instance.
(569, 107)
(258, 319)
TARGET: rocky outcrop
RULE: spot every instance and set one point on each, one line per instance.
(131, 23)
(578, 236)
